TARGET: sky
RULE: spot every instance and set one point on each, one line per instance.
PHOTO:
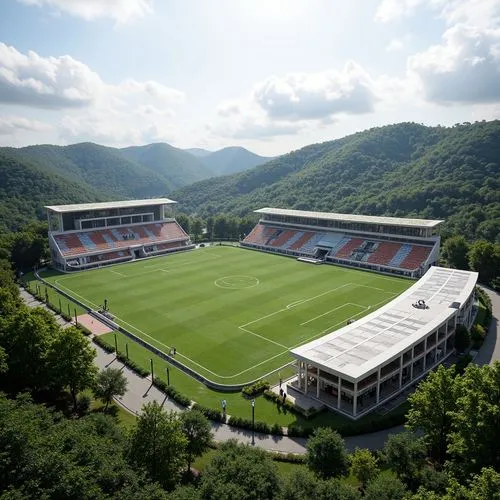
(269, 75)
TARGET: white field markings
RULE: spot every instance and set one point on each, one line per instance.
(116, 272)
(242, 327)
(365, 308)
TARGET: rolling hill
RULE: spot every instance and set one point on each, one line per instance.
(404, 169)
(231, 160)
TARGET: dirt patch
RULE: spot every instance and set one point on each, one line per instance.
(94, 325)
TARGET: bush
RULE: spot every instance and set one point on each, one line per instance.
(84, 330)
(245, 423)
(102, 343)
(255, 389)
(462, 363)
(210, 413)
(299, 431)
(172, 392)
(485, 300)
(277, 430)
(462, 338)
(477, 335)
(83, 403)
(132, 365)
(291, 458)
(67, 318)
(288, 405)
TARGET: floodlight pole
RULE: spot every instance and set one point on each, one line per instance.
(168, 375)
(126, 349)
(152, 371)
(116, 345)
(253, 422)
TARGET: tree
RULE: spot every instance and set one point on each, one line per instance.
(484, 257)
(475, 431)
(72, 361)
(385, 487)
(455, 250)
(405, 454)
(240, 471)
(196, 428)
(326, 453)
(364, 466)
(184, 221)
(430, 408)
(4, 366)
(110, 383)
(210, 227)
(197, 228)
(336, 489)
(462, 338)
(301, 483)
(27, 339)
(158, 445)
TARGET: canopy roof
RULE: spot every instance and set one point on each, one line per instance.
(82, 207)
(357, 349)
(367, 219)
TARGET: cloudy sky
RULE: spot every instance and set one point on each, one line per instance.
(271, 75)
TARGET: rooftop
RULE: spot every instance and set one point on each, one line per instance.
(81, 207)
(357, 349)
(367, 219)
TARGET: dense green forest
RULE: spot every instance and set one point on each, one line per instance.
(401, 170)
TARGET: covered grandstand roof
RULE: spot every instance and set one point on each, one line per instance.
(81, 207)
(368, 219)
(359, 348)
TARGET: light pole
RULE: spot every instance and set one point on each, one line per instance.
(253, 422)
(116, 345)
(168, 375)
(126, 349)
(152, 371)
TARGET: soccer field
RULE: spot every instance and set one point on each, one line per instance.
(232, 314)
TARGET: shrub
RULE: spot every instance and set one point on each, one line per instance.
(210, 413)
(277, 430)
(253, 390)
(83, 403)
(477, 335)
(172, 392)
(299, 431)
(102, 343)
(289, 457)
(462, 363)
(84, 330)
(245, 423)
(66, 317)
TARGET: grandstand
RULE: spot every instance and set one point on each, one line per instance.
(394, 245)
(374, 359)
(88, 235)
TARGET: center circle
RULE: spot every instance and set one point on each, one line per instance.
(236, 282)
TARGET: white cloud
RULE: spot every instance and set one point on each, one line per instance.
(121, 11)
(306, 96)
(464, 69)
(10, 125)
(394, 45)
(481, 13)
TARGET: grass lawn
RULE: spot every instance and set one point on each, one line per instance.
(232, 314)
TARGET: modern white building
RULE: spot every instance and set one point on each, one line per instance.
(369, 362)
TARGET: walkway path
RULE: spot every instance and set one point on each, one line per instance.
(140, 391)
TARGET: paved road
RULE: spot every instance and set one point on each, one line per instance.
(140, 391)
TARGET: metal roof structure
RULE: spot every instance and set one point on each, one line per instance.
(356, 350)
(81, 207)
(367, 219)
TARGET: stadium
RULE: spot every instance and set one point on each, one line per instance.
(333, 296)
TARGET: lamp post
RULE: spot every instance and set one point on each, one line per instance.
(126, 349)
(168, 375)
(116, 345)
(152, 371)
(253, 422)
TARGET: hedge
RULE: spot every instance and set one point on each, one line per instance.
(102, 343)
(132, 365)
(288, 457)
(172, 392)
(256, 389)
(210, 413)
(245, 423)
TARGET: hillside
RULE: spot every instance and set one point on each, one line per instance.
(25, 189)
(198, 151)
(405, 169)
(96, 167)
(179, 168)
(231, 160)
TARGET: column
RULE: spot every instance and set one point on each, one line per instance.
(305, 379)
(299, 375)
(411, 365)
(378, 385)
(317, 382)
(338, 392)
(401, 371)
(355, 399)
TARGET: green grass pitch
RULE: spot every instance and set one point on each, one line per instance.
(232, 314)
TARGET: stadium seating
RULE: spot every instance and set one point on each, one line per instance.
(306, 236)
(260, 234)
(121, 238)
(345, 251)
(280, 239)
(401, 255)
(417, 256)
(384, 253)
